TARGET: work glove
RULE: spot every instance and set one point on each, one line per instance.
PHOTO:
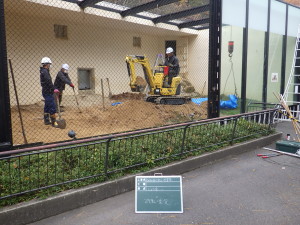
(56, 91)
(170, 65)
(72, 85)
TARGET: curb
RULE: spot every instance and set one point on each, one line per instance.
(35, 210)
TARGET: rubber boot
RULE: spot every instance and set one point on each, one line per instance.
(47, 119)
(53, 121)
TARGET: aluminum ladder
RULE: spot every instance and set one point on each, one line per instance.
(291, 93)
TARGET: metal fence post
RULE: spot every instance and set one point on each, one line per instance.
(106, 157)
(183, 139)
(271, 120)
(234, 129)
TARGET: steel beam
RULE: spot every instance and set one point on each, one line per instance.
(146, 6)
(266, 58)
(202, 28)
(244, 60)
(181, 14)
(193, 23)
(214, 64)
(5, 114)
(86, 3)
(284, 49)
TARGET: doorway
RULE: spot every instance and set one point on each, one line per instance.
(171, 44)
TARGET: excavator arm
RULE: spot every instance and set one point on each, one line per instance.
(131, 60)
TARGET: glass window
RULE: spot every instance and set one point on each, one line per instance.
(233, 18)
(277, 30)
(277, 20)
(233, 12)
(258, 16)
(294, 21)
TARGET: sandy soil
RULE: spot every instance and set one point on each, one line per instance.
(133, 113)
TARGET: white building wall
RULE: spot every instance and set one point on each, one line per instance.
(98, 42)
(198, 61)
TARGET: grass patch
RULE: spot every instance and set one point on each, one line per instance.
(96, 162)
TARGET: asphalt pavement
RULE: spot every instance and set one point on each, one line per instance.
(237, 190)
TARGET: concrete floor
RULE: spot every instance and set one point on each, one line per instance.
(237, 190)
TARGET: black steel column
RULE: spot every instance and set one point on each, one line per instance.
(266, 57)
(214, 65)
(244, 60)
(5, 123)
(284, 45)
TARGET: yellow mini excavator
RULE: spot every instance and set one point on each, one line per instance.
(159, 92)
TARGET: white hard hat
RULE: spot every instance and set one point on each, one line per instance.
(46, 60)
(169, 50)
(65, 66)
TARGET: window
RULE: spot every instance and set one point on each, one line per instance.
(137, 42)
(61, 31)
(84, 79)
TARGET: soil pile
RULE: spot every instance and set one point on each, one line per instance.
(131, 113)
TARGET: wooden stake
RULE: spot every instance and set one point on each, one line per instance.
(102, 94)
(18, 104)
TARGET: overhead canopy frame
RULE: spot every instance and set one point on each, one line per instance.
(146, 6)
(86, 3)
(181, 16)
(193, 23)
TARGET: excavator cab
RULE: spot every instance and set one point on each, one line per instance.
(155, 80)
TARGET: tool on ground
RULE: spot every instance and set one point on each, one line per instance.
(76, 100)
(61, 123)
(109, 91)
(17, 99)
(265, 156)
(102, 94)
(283, 153)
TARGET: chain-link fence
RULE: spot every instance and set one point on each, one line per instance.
(94, 38)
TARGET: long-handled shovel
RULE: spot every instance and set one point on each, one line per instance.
(76, 100)
(61, 123)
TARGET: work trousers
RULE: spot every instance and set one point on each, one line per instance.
(50, 106)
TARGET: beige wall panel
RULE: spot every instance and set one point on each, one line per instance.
(198, 61)
(94, 42)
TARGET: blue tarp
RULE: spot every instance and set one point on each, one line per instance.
(229, 104)
(198, 101)
(116, 103)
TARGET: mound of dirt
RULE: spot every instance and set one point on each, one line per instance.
(131, 114)
(128, 95)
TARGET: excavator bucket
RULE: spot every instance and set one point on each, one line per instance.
(138, 88)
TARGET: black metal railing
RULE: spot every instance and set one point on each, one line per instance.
(257, 106)
(96, 159)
